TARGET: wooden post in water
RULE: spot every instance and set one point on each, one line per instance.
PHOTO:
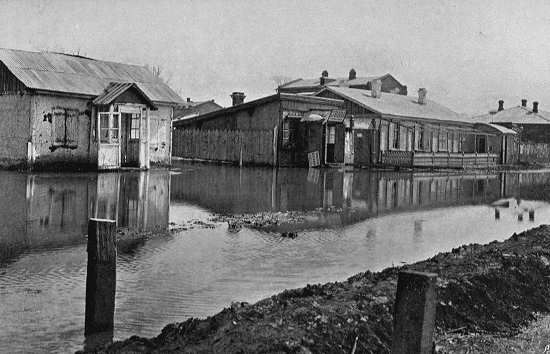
(101, 276)
(414, 313)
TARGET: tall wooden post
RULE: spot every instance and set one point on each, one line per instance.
(101, 276)
(414, 314)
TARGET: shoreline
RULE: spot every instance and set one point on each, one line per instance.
(494, 289)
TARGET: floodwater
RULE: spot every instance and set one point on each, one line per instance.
(361, 220)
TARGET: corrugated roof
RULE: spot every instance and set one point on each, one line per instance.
(399, 105)
(515, 115)
(115, 89)
(79, 75)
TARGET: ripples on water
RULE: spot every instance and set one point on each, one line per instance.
(402, 218)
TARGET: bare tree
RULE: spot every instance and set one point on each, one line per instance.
(160, 73)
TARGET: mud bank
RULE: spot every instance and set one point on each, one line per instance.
(496, 288)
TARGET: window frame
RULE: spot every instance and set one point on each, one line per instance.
(111, 128)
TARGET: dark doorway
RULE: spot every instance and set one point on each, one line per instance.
(130, 139)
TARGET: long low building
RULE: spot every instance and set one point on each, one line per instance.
(398, 130)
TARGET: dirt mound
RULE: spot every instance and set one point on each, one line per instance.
(494, 288)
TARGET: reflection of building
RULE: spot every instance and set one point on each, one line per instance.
(53, 210)
(233, 190)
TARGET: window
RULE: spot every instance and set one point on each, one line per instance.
(65, 122)
(109, 127)
(286, 131)
(419, 139)
(481, 143)
(134, 126)
(332, 135)
(443, 140)
(394, 134)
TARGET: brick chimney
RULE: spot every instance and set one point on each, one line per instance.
(323, 78)
(188, 99)
(524, 102)
(352, 74)
(422, 92)
(238, 98)
(500, 105)
(535, 107)
(376, 88)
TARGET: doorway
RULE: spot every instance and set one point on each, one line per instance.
(130, 139)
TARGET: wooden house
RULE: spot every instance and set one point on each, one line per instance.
(277, 130)
(532, 126)
(72, 111)
(398, 130)
(311, 86)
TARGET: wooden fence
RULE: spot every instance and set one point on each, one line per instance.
(534, 153)
(236, 146)
(438, 159)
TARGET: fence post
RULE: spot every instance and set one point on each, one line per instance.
(414, 313)
(100, 276)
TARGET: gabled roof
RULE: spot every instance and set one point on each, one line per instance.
(398, 106)
(116, 89)
(515, 115)
(345, 82)
(260, 101)
(72, 74)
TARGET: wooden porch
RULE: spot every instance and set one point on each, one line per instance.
(438, 159)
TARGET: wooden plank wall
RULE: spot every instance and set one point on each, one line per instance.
(255, 146)
(534, 152)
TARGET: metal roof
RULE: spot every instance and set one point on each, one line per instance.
(73, 74)
(515, 115)
(345, 82)
(396, 105)
(494, 127)
(115, 89)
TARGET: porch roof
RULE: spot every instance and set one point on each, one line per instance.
(115, 89)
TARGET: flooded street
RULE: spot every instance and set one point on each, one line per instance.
(362, 220)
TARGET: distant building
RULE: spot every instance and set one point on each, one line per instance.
(192, 109)
(531, 124)
(311, 86)
(398, 130)
(279, 130)
(67, 110)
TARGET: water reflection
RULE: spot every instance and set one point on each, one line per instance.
(50, 210)
(352, 196)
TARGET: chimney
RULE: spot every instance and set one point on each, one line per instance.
(376, 88)
(535, 107)
(422, 92)
(188, 99)
(323, 78)
(352, 74)
(238, 98)
(524, 102)
(500, 105)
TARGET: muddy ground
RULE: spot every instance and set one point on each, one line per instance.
(493, 289)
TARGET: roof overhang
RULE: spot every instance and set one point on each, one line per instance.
(115, 89)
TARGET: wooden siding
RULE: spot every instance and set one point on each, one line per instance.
(438, 159)
(8, 82)
(236, 146)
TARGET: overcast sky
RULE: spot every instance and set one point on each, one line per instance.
(468, 54)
